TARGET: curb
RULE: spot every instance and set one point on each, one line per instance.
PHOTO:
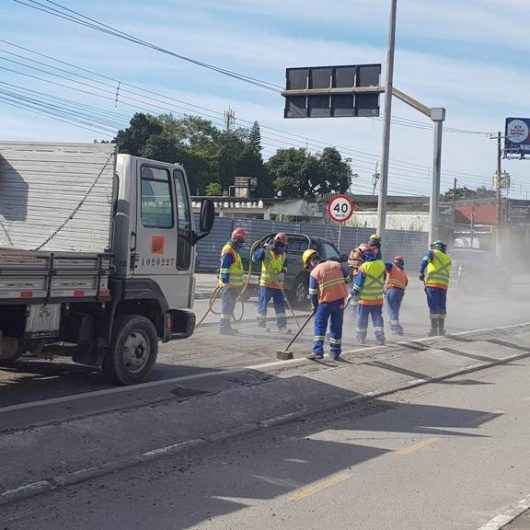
(33, 489)
(509, 515)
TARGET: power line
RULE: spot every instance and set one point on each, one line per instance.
(76, 17)
(360, 155)
(62, 11)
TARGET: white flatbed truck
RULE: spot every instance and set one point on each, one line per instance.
(97, 256)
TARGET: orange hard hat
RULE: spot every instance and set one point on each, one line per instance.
(281, 237)
(239, 234)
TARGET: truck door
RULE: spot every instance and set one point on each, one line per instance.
(161, 253)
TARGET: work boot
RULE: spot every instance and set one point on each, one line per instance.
(227, 329)
(434, 327)
(380, 339)
(262, 323)
(361, 339)
(441, 327)
(316, 356)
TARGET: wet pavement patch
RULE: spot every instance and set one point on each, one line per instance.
(186, 393)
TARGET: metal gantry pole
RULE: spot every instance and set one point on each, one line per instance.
(385, 157)
(438, 117)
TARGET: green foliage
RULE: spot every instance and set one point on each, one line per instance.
(214, 157)
(214, 189)
(467, 193)
(297, 173)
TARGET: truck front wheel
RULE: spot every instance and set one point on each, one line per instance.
(133, 352)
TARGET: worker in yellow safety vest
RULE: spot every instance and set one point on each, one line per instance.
(435, 273)
(231, 276)
(368, 291)
(273, 260)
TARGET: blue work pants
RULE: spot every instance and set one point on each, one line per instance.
(437, 301)
(393, 298)
(364, 311)
(331, 313)
(228, 304)
(265, 294)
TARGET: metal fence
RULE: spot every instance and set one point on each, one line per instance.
(411, 245)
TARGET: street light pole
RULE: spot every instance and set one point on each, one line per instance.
(385, 157)
(438, 117)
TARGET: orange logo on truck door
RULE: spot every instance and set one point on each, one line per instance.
(157, 245)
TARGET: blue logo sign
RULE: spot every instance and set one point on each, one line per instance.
(517, 140)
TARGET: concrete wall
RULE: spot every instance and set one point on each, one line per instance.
(413, 221)
(409, 244)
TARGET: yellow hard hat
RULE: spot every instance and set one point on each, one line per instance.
(307, 255)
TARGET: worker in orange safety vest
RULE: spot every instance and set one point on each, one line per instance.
(395, 285)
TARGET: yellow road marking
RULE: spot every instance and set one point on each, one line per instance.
(416, 447)
(317, 487)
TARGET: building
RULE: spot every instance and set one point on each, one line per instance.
(403, 213)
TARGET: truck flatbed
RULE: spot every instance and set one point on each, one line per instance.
(53, 276)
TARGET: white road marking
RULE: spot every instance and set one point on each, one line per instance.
(508, 515)
(214, 373)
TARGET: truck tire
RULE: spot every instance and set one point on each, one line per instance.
(10, 351)
(133, 351)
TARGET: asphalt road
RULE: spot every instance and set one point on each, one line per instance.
(32, 380)
(443, 456)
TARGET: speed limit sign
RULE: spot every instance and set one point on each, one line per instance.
(340, 208)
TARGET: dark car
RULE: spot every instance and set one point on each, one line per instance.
(296, 279)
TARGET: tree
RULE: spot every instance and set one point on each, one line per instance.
(297, 173)
(214, 189)
(337, 174)
(286, 170)
(464, 192)
(254, 138)
(141, 127)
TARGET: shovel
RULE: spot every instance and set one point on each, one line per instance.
(285, 354)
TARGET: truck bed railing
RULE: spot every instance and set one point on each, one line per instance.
(52, 276)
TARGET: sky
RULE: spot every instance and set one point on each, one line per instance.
(470, 57)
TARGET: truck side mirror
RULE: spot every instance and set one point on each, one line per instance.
(207, 216)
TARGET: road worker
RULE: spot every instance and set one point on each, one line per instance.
(368, 290)
(396, 283)
(374, 242)
(435, 272)
(327, 289)
(273, 261)
(231, 275)
(355, 260)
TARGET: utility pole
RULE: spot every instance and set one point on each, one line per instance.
(499, 195)
(385, 158)
(375, 178)
(230, 118)
(455, 186)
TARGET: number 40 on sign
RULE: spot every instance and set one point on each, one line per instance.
(340, 208)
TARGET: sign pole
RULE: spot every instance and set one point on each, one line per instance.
(385, 158)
